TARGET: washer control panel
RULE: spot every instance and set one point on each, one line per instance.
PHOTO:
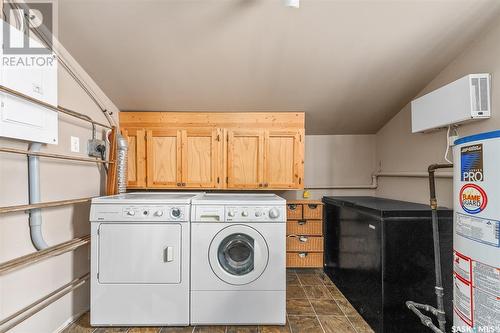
(160, 213)
(255, 213)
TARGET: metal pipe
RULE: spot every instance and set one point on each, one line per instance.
(51, 155)
(28, 311)
(375, 176)
(35, 218)
(437, 249)
(412, 175)
(20, 208)
(49, 252)
(373, 185)
(51, 107)
(426, 320)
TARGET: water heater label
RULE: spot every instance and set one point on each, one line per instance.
(471, 158)
(481, 230)
(462, 266)
(486, 291)
(462, 294)
(473, 198)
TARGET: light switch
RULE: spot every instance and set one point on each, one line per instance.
(75, 144)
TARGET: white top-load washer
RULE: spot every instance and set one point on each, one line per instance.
(140, 259)
(238, 259)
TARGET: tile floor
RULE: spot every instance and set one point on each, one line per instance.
(314, 305)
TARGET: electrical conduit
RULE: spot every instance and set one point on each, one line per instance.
(34, 197)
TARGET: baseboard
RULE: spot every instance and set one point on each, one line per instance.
(70, 321)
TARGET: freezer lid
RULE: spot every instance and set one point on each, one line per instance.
(385, 208)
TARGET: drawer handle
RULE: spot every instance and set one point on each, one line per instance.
(312, 206)
(292, 206)
(301, 222)
(303, 239)
(303, 254)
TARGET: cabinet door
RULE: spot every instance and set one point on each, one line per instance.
(164, 158)
(283, 159)
(200, 157)
(136, 166)
(245, 158)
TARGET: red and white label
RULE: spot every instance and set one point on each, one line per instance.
(462, 293)
(462, 266)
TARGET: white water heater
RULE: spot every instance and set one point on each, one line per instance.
(476, 233)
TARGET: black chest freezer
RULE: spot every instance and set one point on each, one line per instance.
(379, 252)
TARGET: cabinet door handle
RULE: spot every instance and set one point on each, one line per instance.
(266, 185)
(179, 184)
(260, 185)
(301, 222)
(183, 184)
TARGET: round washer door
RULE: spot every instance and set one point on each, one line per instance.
(238, 254)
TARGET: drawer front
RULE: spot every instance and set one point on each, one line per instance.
(304, 259)
(304, 244)
(294, 211)
(313, 211)
(305, 227)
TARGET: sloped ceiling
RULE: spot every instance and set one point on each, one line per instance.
(350, 65)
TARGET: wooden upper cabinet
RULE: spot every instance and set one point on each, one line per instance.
(164, 158)
(136, 166)
(283, 159)
(215, 150)
(245, 158)
(200, 156)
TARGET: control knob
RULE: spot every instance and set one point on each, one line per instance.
(175, 212)
(274, 213)
(231, 213)
(159, 213)
(258, 213)
(130, 212)
(244, 213)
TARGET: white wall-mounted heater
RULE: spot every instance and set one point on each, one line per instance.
(465, 99)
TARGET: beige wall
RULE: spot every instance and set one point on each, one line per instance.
(59, 180)
(399, 150)
(337, 160)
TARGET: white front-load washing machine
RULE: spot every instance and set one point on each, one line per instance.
(140, 259)
(238, 259)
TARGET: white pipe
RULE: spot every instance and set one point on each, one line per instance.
(413, 174)
(371, 186)
(374, 184)
(34, 197)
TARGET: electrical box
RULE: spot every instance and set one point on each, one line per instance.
(465, 99)
(34, 75)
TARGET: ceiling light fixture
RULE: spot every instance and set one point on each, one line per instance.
(292, 3)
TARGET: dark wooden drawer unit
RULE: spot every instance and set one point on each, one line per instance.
(304, 229)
